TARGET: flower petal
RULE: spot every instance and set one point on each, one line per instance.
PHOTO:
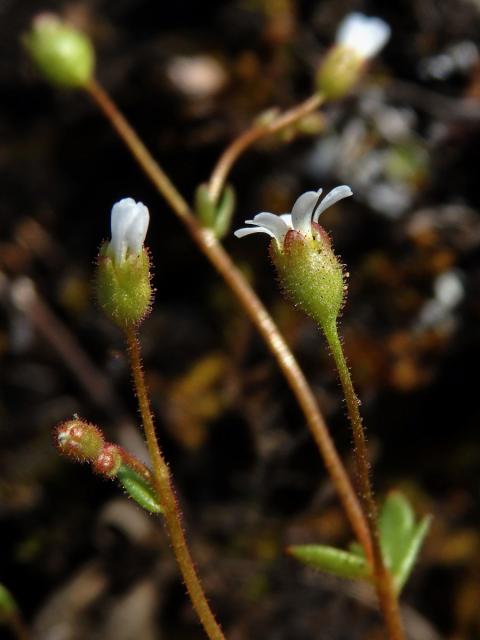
(331, 198)
(287, 218)
(273, 223)
(302, 211)
(363, 34)
(123, 214)
(246, 231)
(137, 229)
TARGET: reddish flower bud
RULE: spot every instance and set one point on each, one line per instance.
(79, 440)
(109, 461)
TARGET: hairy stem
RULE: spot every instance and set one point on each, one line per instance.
(164, 487)
(383, 580)
(252, 135)
(212, 249)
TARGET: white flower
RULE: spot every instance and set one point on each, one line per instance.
(129, 224)
(306, 209)
(366, 36)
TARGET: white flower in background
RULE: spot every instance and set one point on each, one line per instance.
(365, 35)
(129, 224)
(306, 210)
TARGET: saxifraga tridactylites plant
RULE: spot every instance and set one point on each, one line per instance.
(309, 272)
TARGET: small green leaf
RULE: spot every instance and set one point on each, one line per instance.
(215, 215)
(139, 489)
(408, 562)
(224, 212)
(8, 606)
(204, 206)
(397, 521)
(401, 537)
(332, 560)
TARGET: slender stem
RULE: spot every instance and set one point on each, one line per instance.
(19, 627)
(256, 132)
(164, 487)
(140, 152)
(383, 579)
(252, 305)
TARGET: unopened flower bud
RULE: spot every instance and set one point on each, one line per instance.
(108, 461)
(123, 283)
(79, 440)
(64, 55)
(309, 271)
(358, 39)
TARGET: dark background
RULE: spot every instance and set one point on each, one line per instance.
(83, 561)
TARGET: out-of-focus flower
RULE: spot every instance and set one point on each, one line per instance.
(366, 36)
(358, 39)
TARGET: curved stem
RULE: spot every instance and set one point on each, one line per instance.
(164, 487)
(252, 305)
(383, 579)
(249, 137)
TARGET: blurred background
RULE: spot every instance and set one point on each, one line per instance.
(81, 559)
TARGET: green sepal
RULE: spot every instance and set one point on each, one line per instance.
(8, 606)
(401, 536)
(311, 275)
(216, 216)
(124, 289)
(139, 489)
(338, 562)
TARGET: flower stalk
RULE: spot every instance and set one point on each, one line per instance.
(164, 486)
(383, 579)
(254, 134)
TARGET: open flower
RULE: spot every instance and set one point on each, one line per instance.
(365, 35)
(306, 210)
(308, 270)
(129, 224)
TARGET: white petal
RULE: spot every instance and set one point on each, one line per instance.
(137, 230)
(302, 211)
(331, 198)
(246, 231)
(363, 34)
(123, 213)
(287, 218)
(270, 221)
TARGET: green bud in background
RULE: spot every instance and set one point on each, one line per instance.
(64, 55)
(309, 271)
(123, 282)
(215, 215)
(339, 72)
(358, 39)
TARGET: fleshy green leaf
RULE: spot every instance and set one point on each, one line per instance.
(408, 561)
(139, 489)
(332, 560)
(401, 537)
